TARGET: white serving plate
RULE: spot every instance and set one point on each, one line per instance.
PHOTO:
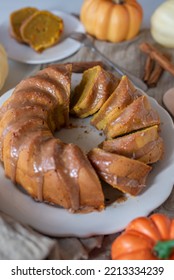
(24, 53)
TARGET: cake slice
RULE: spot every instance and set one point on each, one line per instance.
(21, 116)
(17, 18)
(139, 114)
(125, 174)
(42, 30)
(56, 186)
(13, 145)
(84, 177)
(28, 172)
(32, 97)
(60, 76)
(48, 87)
(122, 96)
(94, 89)
(144, 145)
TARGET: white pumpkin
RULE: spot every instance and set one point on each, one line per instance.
(3, 66)
(162, 24)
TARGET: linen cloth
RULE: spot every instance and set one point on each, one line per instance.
(19, 241)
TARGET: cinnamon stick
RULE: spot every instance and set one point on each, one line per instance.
(158, 56)
(148, 68)
(155, 75)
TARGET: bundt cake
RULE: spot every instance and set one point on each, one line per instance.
(17, 18)
(127, 175)
(122, 96)
(94, 89)
(144, 145)
(42, 30)
(59, 173)
(139, 114)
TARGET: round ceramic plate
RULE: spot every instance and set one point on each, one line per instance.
(57, 221)
(23, 53)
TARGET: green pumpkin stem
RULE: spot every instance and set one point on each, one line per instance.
(163, 249)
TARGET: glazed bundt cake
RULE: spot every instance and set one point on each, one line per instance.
(59, 173)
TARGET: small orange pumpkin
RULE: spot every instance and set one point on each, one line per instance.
(112, 20)
(146, 238)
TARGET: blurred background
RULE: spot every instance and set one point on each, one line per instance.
(72, 6)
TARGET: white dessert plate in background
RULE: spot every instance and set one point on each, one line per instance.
(24, 53)
(57, 221)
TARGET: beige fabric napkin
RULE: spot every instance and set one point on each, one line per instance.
(20, 242)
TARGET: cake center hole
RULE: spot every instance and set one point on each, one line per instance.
(81, 133)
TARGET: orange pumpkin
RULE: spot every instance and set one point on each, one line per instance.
(112, 20)
(146, 238)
